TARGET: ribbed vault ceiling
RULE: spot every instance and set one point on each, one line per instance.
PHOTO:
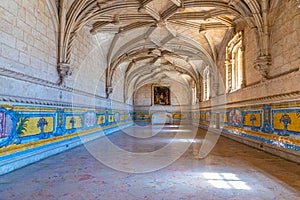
(155, 39)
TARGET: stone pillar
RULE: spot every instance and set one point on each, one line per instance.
(243, 83)
(215, 89)
(228, 75)
(200, 89)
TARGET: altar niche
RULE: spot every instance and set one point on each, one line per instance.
(161, 95)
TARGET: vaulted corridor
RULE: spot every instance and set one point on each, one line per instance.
(112, 99)
(231, 171)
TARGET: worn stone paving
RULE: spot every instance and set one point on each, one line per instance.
(231, 171)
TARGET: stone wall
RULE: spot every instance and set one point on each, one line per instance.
(285, 37)
(28, 58)
(250, 115)
(180, 96)
(28, 53)
(28, 38)
(145, 111)
(250, 44)
(38, 117)
(88, 64)
(284, 50)
(143, 96)
(118, 85)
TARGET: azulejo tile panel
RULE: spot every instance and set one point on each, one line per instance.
(27, 126)
(286, 120)
(277, 124)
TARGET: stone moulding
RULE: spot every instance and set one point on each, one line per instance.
(30, 79)
(23, 77)
(27, 100)
(268, 99)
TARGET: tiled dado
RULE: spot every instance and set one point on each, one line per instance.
(276, 124)
(31, 133)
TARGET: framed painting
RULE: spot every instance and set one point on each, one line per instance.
(161, 95)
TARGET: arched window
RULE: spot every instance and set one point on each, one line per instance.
(206, 84)
(234, 63)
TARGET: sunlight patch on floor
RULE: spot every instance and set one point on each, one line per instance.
(175, 131)
(226, 181)
(185, 140)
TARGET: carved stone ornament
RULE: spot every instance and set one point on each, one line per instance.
(109, 90)
(64, 70)
(263, 64)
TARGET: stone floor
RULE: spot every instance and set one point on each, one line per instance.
(231, 171)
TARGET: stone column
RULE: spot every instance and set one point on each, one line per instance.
(228, 75)
(215, 89)
(243, 83)
(200, 88)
